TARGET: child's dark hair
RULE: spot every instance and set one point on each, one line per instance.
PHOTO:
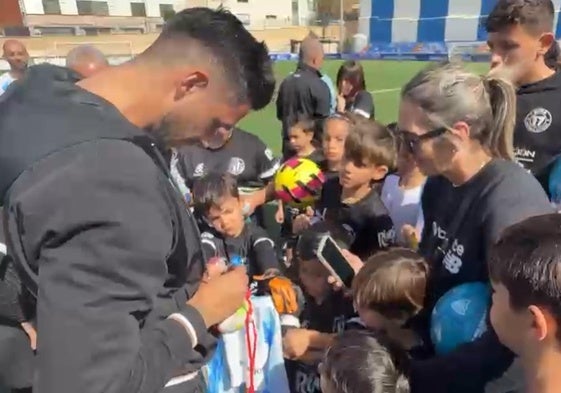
(210, 190)
(370, 142)
(360, 361)
(527, 261)
(392, 283)
(305, 124)
(536, 16)
(352, 71)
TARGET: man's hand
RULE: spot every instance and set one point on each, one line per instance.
(220, 297)
(295, 343)
(31, 333)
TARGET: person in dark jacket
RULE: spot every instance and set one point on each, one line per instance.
(97, 230)
(521, 37)
(303, 94)
(459, 127)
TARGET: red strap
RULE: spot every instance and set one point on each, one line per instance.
(251, 349)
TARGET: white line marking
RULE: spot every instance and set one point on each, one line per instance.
(382, 91)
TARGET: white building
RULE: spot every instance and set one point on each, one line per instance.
(258, 14)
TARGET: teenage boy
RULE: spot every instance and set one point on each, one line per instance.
(521, 37)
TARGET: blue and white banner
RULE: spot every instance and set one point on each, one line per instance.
(428, 20)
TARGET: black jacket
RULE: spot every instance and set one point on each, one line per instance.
(302, 94)
(88, 204)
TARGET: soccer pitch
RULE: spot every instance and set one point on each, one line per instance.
(383, 78)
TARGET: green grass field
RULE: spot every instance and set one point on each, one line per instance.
(384, 79)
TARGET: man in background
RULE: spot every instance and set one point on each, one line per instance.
(303, 94)
(15, 53)
(86, 60)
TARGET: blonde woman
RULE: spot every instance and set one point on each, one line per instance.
(459, 127)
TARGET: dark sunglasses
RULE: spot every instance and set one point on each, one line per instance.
(412, 141)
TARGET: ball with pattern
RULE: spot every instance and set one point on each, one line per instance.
(298, 182)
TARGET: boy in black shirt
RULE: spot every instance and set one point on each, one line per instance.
(353, 199)
(226, 233)
(325, 312)
(521, 36)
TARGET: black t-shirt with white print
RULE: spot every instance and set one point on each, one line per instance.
(368, 219)
(461, 223)
(253, 243)
(244, 156)
(330, 316)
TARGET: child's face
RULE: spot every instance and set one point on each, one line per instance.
(334, 136)
(299, 140)
(355, 174)
(313, 276)
(227, 217)
(512, 327)
(514, 46)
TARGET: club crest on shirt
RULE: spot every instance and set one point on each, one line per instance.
(236, 166)
(199, 170)
(538, 120)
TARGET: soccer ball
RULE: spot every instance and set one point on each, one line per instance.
(298, 182)
(460, 316)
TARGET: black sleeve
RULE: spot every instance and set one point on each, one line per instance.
(383, 229)
(513, 204)
(267, 164)
(364, 104)
(322, 98)
(280, 94)
(264, 256)
(102, 234)
(212, 246)
(465, 370)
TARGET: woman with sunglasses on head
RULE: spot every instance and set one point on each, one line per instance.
(353, 96)
(459, 126)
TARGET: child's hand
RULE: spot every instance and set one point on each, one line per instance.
(410, 236)
(295, 343)
(279, 215)
(302, 221)
(341, 103)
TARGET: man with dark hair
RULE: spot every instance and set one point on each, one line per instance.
(15, 53)
(521, 37)
(524, 269)
(86, 60)
(97, 229)
(303, 94)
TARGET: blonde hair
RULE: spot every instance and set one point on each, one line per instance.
(448, 93)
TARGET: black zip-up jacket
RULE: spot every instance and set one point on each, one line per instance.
(88, 204)
(302, 94)
(537, 136)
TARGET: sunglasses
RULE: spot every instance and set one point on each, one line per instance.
(412, 142)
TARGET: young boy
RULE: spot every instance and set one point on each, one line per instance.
(353, 200)
(524, 268)
(216, 201)
(389, 292)
(521, 36)
(363, 362)
(325, 312)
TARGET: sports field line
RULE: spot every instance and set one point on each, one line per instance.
(381, 91)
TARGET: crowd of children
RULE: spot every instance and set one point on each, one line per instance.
(429, 203)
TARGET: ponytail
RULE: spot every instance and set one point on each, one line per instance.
(499, 136)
